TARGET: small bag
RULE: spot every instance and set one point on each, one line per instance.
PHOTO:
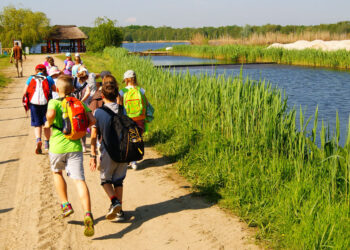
(134, 103)
(125, 143)
(75, 119)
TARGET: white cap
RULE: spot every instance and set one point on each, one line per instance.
(129, 74)
(82, 69)
(77, 54)
(54, 70)
(67, 54)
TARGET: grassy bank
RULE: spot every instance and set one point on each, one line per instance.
(236, 142)
(253, 54)
(4, 62)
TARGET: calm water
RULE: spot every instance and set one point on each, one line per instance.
(305, 87)
(148, 46)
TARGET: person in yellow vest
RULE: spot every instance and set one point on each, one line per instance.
(17, 54)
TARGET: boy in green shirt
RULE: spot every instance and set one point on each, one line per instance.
(67, 155)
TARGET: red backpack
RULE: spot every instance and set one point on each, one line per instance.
(38, 90)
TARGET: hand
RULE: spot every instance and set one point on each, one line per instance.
(47, 124)
(11, 61)
(92, 164)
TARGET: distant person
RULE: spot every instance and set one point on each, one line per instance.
(66, 154)
(77, 56)
(38, 91)
(112, 173)
(68, 65)
(76, 67)
(135, 102)
(46, 63)
(54, 73)
(96, 99)
(17, 54)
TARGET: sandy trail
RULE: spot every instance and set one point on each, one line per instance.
(161, 212)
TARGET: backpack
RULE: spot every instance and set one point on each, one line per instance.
(125, 143)
(74, 117)
(134, 103)
(39, 90)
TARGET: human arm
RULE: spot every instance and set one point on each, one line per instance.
(87, 94)
(93, 149)
(50, 117)
(11, 56)
(91, 119)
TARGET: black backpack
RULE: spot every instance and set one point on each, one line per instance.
(125, 143)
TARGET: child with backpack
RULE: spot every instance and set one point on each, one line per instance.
(116, 131)
(70, 119)
(37, 92)
(135, 103)
(68, 65)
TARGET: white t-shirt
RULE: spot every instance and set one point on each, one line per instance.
(121, 93)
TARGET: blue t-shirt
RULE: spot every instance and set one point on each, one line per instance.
(49, 79)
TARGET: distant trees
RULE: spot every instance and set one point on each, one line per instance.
(104, 34)
(24, 24)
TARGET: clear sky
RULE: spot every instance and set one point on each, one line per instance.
(190, 13)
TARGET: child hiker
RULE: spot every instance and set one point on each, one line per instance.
(37, 91)
(66, 154)
(135, 102)
(112, 173)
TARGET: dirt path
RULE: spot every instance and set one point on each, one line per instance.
(161, 212)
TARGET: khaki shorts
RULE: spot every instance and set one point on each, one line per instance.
(110, 171)
(71, 162)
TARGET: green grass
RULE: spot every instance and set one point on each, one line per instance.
(253, 54)
(4, 63)
(236, 142)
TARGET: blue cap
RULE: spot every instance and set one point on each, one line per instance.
(67, 54)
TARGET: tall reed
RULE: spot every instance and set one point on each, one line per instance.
(236, 141)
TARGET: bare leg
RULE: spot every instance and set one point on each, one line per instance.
(47, 132)
(61, 186)
(21, 70)
(84, 194)
(37, 132)
(109, 190)
(119, 193)
(16, 64)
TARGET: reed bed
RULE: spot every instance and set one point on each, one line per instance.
(339, 59)
(239, 144)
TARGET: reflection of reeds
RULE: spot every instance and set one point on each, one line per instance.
(275, 37)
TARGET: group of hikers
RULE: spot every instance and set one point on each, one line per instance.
(69, 104)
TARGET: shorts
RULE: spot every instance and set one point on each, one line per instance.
(71, 162)
(110, 171)
(37, 114)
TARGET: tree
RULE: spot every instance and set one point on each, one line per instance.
(104, 34)
(28, 26)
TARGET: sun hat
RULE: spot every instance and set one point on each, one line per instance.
(67, 54)
(77, 54)
(82, 69)
(40, 66)
(105, 73)
(129, 74)
(54, 70)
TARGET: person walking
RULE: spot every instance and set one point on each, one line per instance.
(17, 54)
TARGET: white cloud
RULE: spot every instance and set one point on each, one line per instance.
(131, 20)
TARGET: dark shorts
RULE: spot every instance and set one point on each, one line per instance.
(38, 115)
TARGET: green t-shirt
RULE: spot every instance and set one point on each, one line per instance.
(59, 144)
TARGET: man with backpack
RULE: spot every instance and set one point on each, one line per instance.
(117, 133)
(70, 119)
(17, 54)
(37, 92)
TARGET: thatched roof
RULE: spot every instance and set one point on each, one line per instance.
(66, 32)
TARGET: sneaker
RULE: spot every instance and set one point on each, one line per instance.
(46, 145)
(120, 216)
(89, 225)
(38, 146)
(133, 165)
(66, 210)
(113, 210)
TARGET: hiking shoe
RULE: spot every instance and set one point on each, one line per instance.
(66, 210)
(46, 145)
(133, 165)
(120, 216)
(38, 146)
(89, 225)
(113, 210)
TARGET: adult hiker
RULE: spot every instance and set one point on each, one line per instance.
(17, 54)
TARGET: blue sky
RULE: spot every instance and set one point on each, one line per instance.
(190, 13)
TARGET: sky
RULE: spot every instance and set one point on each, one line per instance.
(190, 13)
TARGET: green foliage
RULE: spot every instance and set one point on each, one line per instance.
(253, 54)
(4, 62)
(23, 24)
(104, 34)
(236, 141)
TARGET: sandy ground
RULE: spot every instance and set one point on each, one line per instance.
(316, 44)
(161, 211)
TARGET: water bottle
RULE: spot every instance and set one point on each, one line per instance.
(67, 126)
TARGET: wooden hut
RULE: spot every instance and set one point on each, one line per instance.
(65, 38)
